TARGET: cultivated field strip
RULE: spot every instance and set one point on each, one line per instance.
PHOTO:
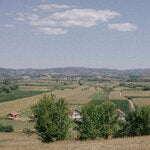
(117, 95)
(34, 88)
(136, 93)
(79, 95)
(141, 101)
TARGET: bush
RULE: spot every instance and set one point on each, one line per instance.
(145, 88)
(7, 128)
(52, 118)
(98, 121)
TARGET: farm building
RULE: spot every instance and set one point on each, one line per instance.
(121, 115)
(76, 115)
(13, 115)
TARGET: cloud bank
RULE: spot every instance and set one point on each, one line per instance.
(62, 16)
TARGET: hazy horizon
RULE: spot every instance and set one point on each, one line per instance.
(76, 67)
(41, 34)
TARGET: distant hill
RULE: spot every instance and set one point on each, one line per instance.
(5, 72)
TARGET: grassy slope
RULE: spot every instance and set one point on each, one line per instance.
(73, 96)
(18, 125)
(13, 141)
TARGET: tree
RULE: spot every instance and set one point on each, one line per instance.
(98, 120)
(52, 118)
(137, 123)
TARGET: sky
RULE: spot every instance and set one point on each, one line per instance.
(111, 34)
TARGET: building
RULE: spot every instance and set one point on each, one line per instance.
(121, 115)
(13, 115)
(76, 115)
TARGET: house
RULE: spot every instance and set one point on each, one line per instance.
(121, 115)
(76, 115)
(13, 115)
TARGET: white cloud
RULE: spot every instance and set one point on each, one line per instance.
(52, 31)
(83, 17)
(27, 17)
(53, 6)
(123, 27)
(73, 17)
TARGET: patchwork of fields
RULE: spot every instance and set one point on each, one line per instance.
(76, 95)
(30, 92)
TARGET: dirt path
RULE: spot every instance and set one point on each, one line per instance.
(132, 105)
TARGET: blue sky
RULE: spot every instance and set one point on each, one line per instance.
(75, 33)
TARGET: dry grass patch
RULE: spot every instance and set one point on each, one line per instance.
(79, 95)
(136, 93)
(18, 141)
(34, 88)
(18, 105)
(141, 101)
(117, 95)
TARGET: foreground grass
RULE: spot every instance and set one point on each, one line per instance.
(19, 141)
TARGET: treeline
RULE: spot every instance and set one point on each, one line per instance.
(98, 121)
(6, 86)
(131, 85)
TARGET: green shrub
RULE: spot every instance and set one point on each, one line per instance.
(52, 118)
(7, 128)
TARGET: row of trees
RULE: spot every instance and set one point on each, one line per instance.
(99, 121)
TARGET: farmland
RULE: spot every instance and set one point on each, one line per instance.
(77, 90)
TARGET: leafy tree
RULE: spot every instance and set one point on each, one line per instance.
(52, 118)
(137, 123)
(98, 121)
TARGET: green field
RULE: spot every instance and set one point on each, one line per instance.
(101, 96)
(5, 97)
